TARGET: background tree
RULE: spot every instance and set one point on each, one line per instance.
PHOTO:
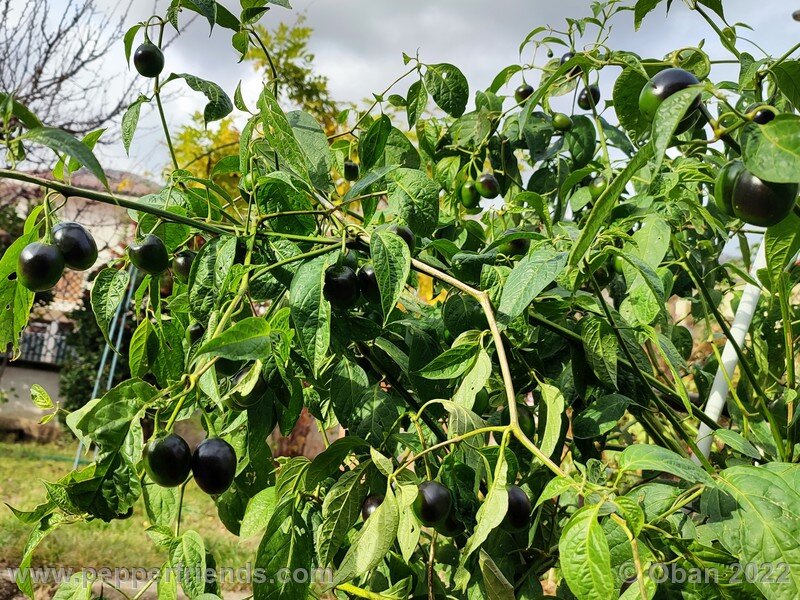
(54, 66)
(199, 148)
(299, 83)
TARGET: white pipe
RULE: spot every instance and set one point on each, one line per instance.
(729, 359)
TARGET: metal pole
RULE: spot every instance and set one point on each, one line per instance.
(119, 320)
(729, 359)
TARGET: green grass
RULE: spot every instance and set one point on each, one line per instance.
(97, 544)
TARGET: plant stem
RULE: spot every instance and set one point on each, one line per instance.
(157, 94)
(573, 337)
(69, 190)
(371, 106)
(454, 440)
(400, 389)
(180, 510)
(165, 127)
(761, 397)
(718, 31)
(638, 372)
(731, 143)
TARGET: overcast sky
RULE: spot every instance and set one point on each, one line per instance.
(359, 43)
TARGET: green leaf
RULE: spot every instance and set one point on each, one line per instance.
(249, 339)
(737, 442)
(110, 486)
(219, 104)
(462, 420)
(278, 193)
(391, 260)
(209, 269)
(25, 116)
(206, 8)
(16, 299)
(286, 546)
(601, 347)
(63, 143)
(258, 513)
(581, 140)
(138, 355)
(782, 244)
(772, 151)
(367, 180)
(340, 512)
(371, 545)
(555, 487)
(474, 380)
(641, 9)
(416, 102)
(279, 134)
(327, 463)
(291, 476)
(77, 587)
(130, 120)
(787, 75)
(492, 511)
(188, 556)
(108, 291)
(527, 279)
(46, 526)
(372, 143)
(554, 404)
(314, 142)
(585, 557)
(625, 96)
(448, 87)
(399, 150)
(160, 503)
(496, 585)
(40, 397)
(654, 458)
(349, 382)
(310, 311)
(668, 116)
(167, 585)
(601, 211)
(408, 530)
(759, 523)
(128, 39)
(503, 77)
(600, 416)
(452, 363)
(415, 197)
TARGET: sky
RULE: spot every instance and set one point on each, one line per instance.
(358, 45)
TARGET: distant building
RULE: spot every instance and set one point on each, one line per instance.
(43, 346)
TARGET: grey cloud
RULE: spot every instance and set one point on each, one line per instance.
(358, 45)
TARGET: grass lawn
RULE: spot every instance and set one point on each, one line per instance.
(97, 544)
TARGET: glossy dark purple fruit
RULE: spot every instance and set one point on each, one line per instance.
(518, 516)
(40, 266)
(368, 283)
(76, 244)
(148, 60)
(167, 460)
(433, 503)
(182, 265)
(371, 504)
(214, 465)
(341, 287)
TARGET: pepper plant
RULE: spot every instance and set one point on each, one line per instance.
(484, 300)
